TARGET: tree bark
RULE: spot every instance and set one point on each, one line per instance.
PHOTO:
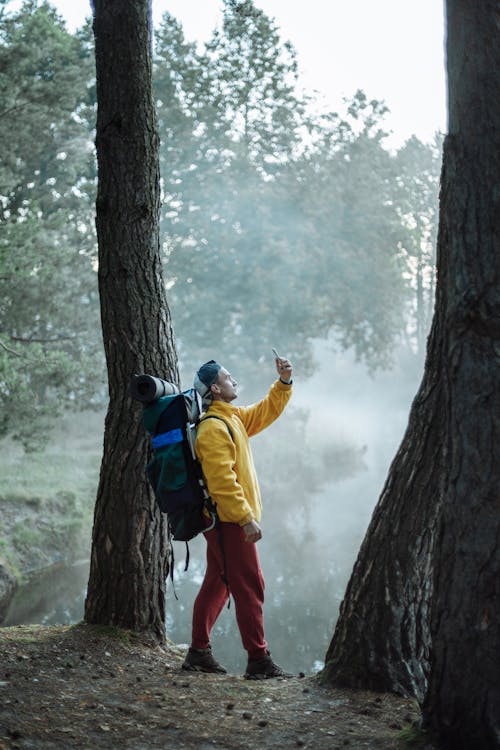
(382, 636)
(433, 539)
(462, 705)
(128, 562)
(382, 640)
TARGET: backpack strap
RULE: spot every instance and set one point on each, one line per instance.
(212, 416)
(217, 522)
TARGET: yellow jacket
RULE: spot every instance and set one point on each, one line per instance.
(227, 463)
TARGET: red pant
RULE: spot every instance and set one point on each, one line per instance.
(246, 584)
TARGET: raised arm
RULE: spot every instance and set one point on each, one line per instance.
(260, 415)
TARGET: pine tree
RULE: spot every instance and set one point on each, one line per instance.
(128, 562)
(422, 603)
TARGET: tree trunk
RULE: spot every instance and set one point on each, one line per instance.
(128, 562)
(381, 640)
(462, 705)
(435, 523)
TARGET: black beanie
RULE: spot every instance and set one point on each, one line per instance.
(206, 376)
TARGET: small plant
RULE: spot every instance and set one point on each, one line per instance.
(412, 737)
(24, 535)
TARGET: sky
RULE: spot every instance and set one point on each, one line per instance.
(392, 49)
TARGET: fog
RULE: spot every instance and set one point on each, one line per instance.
(370, 412)
(278, 222)
(358, 419)
(351, 424)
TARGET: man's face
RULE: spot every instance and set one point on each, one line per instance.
(224, 388)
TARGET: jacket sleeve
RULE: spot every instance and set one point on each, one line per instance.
(258, 416)
(217, 454)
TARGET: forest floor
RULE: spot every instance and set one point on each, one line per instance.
(87, 687)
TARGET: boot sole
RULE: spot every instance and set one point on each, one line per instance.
(192, 668)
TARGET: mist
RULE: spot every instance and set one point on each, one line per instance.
(354, 423)
(279, 228)
(351, 424)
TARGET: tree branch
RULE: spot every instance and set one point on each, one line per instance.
(8, 349)
(33, 340)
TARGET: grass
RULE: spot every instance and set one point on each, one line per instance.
(111, 632)
(412, 737)
(47, 498)
(9, 557)
(69, 462)
(24, 535)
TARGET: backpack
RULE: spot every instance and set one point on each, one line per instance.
(171, 418)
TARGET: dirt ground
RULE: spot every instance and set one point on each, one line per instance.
(86, 687)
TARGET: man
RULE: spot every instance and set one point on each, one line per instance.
(233, 566)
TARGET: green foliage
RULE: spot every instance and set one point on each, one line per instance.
(49, 305)
(281, 226)
(251, 80)
(9, 559)
(418, 167)
(46, 499)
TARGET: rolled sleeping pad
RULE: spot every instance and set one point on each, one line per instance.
(147, 388)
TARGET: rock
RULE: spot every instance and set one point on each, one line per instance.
(8, 586)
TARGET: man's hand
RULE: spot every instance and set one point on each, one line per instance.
(284, 368)
(252, 531)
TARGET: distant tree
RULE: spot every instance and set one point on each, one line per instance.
(50, 356)
(433, 543)
(252, 86)
(128, 562)
(347, 234)
(417, 180)
(217, 211)
(283, 217)
(242, 192)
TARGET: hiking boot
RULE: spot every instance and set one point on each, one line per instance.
(201, 660)
(264, 669)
